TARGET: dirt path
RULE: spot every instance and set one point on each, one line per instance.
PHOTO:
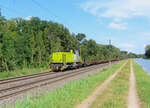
(133, 98)
(99, 89)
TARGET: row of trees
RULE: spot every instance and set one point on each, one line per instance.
(147, 53)
(29, 43)
(91, 51)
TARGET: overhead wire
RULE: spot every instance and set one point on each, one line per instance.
(8, 8)
(36, 3)
(48, 11)
(44, 8)
(12, 10)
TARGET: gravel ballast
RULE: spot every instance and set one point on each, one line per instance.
(47, 88)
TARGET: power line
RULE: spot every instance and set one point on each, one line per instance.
(36, 3)
(44, 8)
(109, 52)
(12, 10)
(47, 10)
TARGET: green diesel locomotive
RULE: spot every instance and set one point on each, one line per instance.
(65, 60)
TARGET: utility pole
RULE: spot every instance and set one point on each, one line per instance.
(109, 52)
(0, 12)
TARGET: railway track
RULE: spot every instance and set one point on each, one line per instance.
(4, 81)
(19, 88)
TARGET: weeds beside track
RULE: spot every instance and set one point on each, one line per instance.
(71, 94)
(116, 93)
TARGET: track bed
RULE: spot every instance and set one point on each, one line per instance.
(14, 88)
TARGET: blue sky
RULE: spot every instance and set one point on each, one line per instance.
(125, 22)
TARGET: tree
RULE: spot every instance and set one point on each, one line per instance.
(80, 37)
(147, 53)
(132, 55)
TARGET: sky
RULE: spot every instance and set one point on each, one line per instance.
(125, 22)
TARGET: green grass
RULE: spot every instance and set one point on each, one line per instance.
(70, 94)
(116, 94)
(143, 85)
(22, 72)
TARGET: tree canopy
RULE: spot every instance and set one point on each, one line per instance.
(147, 52)
(29, 43)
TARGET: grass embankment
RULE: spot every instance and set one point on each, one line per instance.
(72, 93)
(116, 94)
(22, 72)
(143, 85)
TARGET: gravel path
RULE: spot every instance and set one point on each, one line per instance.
(87, 102)
(133, 97)
(49, 87)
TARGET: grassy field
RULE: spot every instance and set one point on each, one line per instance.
(116, 94)
(143, 85)
(22, 72)
(71, 94)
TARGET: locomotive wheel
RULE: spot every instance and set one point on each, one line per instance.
(62, 68)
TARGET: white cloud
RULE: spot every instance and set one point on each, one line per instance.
(120, 26)
(144, 45)
(28, 17)
(118, 9)
(145, 36)
(128, 47)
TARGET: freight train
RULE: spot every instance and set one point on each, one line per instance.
(68, 60)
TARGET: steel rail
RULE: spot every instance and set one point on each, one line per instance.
(8, 80)
(40, 80)
(68, 75)
(14, 79)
